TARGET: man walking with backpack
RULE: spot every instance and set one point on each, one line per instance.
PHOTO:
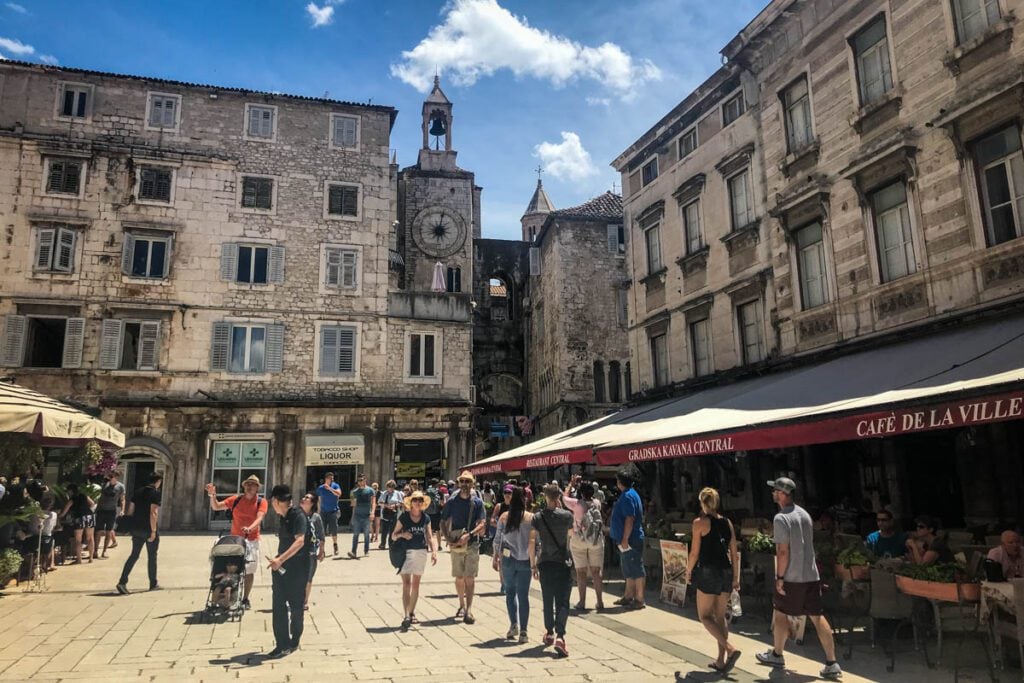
(246, 513)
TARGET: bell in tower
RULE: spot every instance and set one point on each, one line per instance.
(437, 124)
(438, 128)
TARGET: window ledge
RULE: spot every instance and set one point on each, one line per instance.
(54, 277)
(139, 280)
(806, 152)
(1002, 29)
(752, 229)
(252, 210)
(695, 261)
(342, 379)
(244, 376)
(340, 217)
(248, 287)
(891, 100)
(421, 380)
(132, 373)
(656, 276)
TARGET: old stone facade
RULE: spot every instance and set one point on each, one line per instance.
(210, 268)
(577, 349)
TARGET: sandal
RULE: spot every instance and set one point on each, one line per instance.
(731, 662)
(623, 601)
(460, 613)
(469, 619)
(413, 619)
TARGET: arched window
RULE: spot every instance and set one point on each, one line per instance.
(598, 382)
(614, 382)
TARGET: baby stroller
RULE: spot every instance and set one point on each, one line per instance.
(227, 572)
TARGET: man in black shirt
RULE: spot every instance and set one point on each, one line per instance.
(290, 571)
(144, 512)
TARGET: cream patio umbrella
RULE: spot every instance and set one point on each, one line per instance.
(50, 422)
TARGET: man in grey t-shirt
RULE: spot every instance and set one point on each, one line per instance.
(109, 507)
(797, 584)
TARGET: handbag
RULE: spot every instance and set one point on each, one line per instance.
(396, 553)
(560, 546)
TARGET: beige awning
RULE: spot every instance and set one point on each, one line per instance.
(50, 422)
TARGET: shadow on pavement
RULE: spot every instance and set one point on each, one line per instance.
(383, 629)
(246, 659)
(535, 652)
(703, 676)
(495, 644)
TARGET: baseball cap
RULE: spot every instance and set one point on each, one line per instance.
(784, 484)
(509, 488)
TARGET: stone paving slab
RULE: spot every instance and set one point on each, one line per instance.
(79, 629)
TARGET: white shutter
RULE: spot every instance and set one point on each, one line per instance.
(64, 257)
(613, 239)
(275, 348)
(333, 267)
(346, 350)
(229, 261)
(220, 348)
(74, 337)
(111, 336)
(276, 269)
(534, 261)
(12, 355)
(328, 350)
(149, 345)
(128, 253)
(156, 111)
(254, 121)
(46, 238)
(348, 269)
(349, 136)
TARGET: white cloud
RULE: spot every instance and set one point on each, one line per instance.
(15, 7)
(48, 59)
(479, 37)
(16, 46)
(322, 16)
(598, 101)
(566, 160)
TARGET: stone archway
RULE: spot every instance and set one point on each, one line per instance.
(142, 455)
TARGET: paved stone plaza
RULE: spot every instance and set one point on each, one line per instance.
(80, 629)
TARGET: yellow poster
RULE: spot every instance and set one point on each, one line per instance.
(410, 470)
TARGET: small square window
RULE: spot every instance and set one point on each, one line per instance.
(146, 255)
(64, 176)
(650, 171)
(343, 200)
(688, 143)
(344, 131)
(74, 101)
(55, 248)
(732, 109)
(163, 111)
(257, 193)
(261, 122)
(155, 183)
(342, 270)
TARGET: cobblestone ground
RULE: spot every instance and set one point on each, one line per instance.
(80, 629)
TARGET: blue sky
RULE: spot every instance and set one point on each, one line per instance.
(568, 84)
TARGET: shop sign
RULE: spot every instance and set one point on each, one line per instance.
(254, 455)
(545, 460)
(410, 470)
(226, 455)
(334, 449)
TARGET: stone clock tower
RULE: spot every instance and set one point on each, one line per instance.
(438, 206)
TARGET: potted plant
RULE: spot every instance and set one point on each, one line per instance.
(947, 582)
(761, 543)
(853, 564)
(10, 564)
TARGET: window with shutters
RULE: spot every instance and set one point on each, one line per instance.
(341, 269)
(65, 176)
(700, 347)
(974, 17)
(251, 264)
(622, 306)
(732, 109)
(43, 342)
(163, 111)
(338, 356)
(796, 105)
(741, 207)
(423, 357)
(652, 239)
(344, 131)
(616, 239)
(810, 252)
(146, 255)
(155, 184)
(74, 101)
(247, 347)
(893, 232)
(688, 143)
(649, 171)
(342, 200)
(999, 163)
(871, 57)
(258, 192)
(260, 122)
(659, 360)
(691, 227)
(129, 344)
(54, 248)
(751, 331)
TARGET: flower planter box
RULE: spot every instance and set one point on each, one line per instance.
(855, 572)
(933, 590)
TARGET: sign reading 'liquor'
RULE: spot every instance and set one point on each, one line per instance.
(334, 449)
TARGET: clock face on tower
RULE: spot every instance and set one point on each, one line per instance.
(439, 231)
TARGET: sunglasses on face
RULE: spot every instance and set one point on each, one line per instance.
(465, 481)
(921, 526)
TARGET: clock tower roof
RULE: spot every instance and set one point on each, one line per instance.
(539, 203)
(436, 95)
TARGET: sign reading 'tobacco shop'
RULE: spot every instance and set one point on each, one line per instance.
(334, 450)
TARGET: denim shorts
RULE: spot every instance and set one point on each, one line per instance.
(632, 562)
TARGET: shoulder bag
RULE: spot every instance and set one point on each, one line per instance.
(560, 546)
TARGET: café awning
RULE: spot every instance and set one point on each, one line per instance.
(50, 422)
(960, 377)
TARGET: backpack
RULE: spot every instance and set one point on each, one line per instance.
(593, 524)
(238, 499)
(435, 495)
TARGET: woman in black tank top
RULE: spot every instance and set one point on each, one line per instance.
(714, 569)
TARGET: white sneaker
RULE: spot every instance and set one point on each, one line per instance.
(513, 632)
(770, 658)
(831, 671)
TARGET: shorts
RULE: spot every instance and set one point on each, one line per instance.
(252, 556)
(83, 522)
(632, 562)
(377, 511)
(106, 520)
(712, 580)
(330, 518)
(800, 599)
(415, 562)
(467, 562)
(435, 522)
(586, 555)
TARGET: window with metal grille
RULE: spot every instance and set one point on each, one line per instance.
(871, 52)
(257, 193)
(343, 200)
(64, 176)
(155, 183)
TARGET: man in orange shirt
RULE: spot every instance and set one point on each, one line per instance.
(247, 512)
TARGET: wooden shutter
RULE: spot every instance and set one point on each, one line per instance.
(111, 338)
(74, 337)
(275, 348)
(229, 261)
(276, 267)
(332, 277)
(147, 183)
(12, 355)
(345, 131)
(128, 253)
(254, 121)
(55, 179)
(45, 243)
(220, 348)
(335, 198)
(149, 345)
(329, 350)
(156, 112)
(349, 263)
(634, 182)
(346, 350)
(534, 261)
(349, 200)
(163, 184)
(613, 239)
(64, 257)
(248, 192)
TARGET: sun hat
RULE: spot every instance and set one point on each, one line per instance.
(466, 474)
(417, 495)
(252, 479)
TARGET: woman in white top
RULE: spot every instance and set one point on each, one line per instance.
(587, 540)
(514, 557)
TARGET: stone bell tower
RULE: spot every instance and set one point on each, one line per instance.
(437, 153)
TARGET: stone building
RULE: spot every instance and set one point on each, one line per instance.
(213, 269)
